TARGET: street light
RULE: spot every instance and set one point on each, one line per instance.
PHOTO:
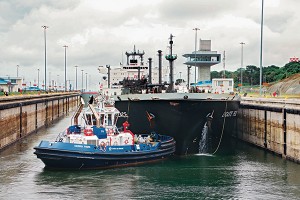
(57, 83)
(65, 46)
(261, 44)
(76, 76)
(195, 29)
(17, 71)
(242, 44)
(38, 82)
(45, 27)
(86, 81)
(50, 80)
(82, 79)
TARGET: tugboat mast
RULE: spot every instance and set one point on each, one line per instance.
(171, 58)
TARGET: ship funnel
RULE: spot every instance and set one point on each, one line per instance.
(159, 66)
(150, 70)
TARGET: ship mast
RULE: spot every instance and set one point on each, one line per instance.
(171, 58)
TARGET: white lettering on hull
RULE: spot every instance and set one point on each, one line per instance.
(230, 114)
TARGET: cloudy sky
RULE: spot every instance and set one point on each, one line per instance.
(99, 32)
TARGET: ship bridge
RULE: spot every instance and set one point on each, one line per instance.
(203, 59)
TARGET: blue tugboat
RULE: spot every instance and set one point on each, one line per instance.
(99, 143)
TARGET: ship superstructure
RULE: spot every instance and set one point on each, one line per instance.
(134, 69)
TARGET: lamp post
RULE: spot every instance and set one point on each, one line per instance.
(242, 55)
(45, 27)
(188, 76)
(76, 76)
(38, 82)
(195, 29)
(57, 83)
(70, 85)
(17, 71)
(49, 80)
(82, 80)
(86, 80)
(261, 45)
(65, 46)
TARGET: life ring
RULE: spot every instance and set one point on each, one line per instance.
(88, 132)
(126, 141)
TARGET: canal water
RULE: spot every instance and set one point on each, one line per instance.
(239, 171)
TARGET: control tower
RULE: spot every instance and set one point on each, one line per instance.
(203, 59)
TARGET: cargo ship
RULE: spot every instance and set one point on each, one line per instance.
(208, 113)
(184, 116)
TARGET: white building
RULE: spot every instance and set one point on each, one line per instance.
(222, 85)
(10, 84)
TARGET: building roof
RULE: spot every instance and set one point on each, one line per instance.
(3, 82)
(203, 83)
(201, 53)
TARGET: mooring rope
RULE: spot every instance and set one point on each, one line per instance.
(222, 130)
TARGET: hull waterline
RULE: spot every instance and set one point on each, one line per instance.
(60, 155)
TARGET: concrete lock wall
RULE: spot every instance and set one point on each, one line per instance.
(272, 127)
(293, 137)
(21, 119)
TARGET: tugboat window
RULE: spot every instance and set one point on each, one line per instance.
(94, 119)
(109, 121)
(89, 121)
(116, 118)
(102, 119)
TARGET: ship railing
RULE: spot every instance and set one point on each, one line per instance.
(60, 137)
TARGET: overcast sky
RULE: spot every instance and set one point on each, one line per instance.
(99, 32)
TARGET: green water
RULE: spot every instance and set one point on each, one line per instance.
(237, 171)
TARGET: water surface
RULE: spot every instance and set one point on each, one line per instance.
(238, 171)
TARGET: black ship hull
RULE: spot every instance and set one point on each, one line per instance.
(185, 117)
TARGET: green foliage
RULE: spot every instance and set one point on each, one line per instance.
(251, 74)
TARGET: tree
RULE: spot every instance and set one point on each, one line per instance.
(291, 68)
(251, 74)
(270, 73)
